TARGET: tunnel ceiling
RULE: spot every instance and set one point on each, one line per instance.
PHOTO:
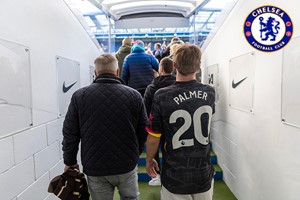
(121, 8)
(203, 13)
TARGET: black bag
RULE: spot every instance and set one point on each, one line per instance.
(71, 185)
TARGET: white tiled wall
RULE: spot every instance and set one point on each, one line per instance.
(46, 159)
(16, 179)
(56, 170)
(29, 158)
(54, 130)
(6, 154)
(51, 197)
(224, 144)
(36, 191)
(35, 141)
(28, 163)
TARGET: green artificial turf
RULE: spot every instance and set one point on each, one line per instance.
(221, 192)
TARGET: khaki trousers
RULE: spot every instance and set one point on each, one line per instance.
(166, 195)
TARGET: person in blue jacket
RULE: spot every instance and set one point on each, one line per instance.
(138, 68)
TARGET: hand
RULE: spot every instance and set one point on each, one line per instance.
(155, 73)
(152, 167)
(76, 166)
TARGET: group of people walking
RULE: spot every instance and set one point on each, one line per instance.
(127, 106)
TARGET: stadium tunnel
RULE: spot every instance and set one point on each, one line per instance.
(254, 133)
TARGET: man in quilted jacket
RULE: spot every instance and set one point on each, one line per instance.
(109, 119)
(138, 68)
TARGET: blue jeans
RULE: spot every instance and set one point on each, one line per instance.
(102, 187)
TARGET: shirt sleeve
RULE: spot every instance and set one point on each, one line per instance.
(154, 125)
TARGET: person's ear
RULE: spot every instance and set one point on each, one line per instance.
(95, 73)
(118, 72)
(174, 65)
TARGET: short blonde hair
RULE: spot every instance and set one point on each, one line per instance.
(173, 48)
(126, 40)
(106, 63)
(187, 58)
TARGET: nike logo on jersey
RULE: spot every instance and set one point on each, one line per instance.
(234, 85)
(66, 89)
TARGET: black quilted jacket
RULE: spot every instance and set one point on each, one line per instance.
(158, 82)
(109, 119)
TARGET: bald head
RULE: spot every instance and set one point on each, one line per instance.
(106, 63)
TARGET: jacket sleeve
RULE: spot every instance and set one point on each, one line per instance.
(148, 99)
(125, 71)
(142, 121)
(71, 134)
(154, 63)
(117, 55)
(165, 52)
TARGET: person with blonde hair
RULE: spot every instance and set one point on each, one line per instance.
(166, 49)
(122, 52)
(181, 114)
(108, 118)
(173, 49)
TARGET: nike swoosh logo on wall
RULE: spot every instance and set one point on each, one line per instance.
(234, 85)
(66, 89)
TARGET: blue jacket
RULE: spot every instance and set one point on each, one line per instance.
(137, 68)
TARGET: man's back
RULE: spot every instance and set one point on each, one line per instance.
(111, 122)
(138, 68)
(158, 82)
(186, 163)
(108, 118)
(121, 54)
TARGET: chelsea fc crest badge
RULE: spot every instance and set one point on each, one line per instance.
(268, 28)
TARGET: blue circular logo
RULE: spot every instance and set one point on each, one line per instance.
(268, 28)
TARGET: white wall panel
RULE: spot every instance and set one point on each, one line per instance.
(48, 28)
(68, 81)
(15, 88)
(213, 78)
(291, 83)
(241, 77)
(29, 142)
